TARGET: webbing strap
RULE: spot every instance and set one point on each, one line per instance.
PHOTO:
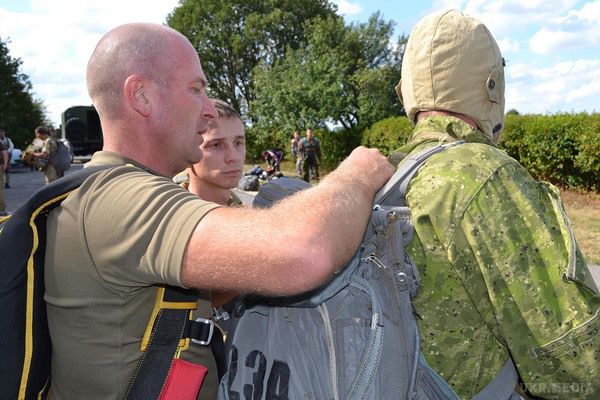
(394, 191)
(502, 386)
(155, 364)
(170, 326)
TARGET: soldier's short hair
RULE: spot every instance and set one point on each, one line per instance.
(225, 110)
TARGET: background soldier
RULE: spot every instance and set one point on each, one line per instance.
(310, 150)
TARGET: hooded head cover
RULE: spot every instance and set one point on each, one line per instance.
(452, 63)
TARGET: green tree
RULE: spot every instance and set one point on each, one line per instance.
(234, 36)
(345, 76)
(20, 113)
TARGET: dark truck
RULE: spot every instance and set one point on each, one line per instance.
(80, 125)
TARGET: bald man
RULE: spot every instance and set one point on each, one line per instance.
(129, 228)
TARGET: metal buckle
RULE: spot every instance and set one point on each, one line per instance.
(210, 323)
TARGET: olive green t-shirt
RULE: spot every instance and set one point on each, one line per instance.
(123, 231)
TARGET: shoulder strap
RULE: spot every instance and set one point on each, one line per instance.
(394, 191)
(169, 332)
(25, 344)
(503, 384)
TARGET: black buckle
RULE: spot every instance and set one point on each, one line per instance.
(201, 331)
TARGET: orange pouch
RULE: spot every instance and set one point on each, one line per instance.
(184, 381)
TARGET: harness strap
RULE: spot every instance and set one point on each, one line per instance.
(169, 331)
(394, 191)
(502, 386)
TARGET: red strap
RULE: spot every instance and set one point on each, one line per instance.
(184, 381)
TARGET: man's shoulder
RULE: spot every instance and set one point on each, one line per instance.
(467, 166)
(469, 158)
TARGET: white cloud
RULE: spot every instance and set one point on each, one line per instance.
(564, 86)
(576, 29)
(508, 16)
(55, 39)
(345, 7)
(508, 45)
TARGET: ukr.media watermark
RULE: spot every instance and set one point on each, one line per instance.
(560, 387)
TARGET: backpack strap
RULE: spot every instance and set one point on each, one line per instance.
(26, 341)
(169, 332)
(394, 191)
(503, 384)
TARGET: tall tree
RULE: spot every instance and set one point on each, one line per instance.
(345, 76)
(20, 113)
(234, 36)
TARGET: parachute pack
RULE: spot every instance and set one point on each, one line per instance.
(354, 338)
(26, 346)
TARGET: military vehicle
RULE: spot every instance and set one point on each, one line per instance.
(80, 125)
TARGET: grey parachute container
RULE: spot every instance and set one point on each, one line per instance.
(354, 338)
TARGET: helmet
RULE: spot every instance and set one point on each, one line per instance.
(452, 63)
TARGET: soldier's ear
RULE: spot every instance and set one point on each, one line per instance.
(137, 94)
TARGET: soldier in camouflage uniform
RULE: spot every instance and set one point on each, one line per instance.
(49, 149)
(309, 148)
(501, 274)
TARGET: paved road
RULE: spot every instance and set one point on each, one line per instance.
(23, 182)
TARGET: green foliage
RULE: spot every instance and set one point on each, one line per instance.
(260, 139)
(344, 77)
(234, 36)
(20, 113)
(337, 145)
(388, 134)
(563, 148)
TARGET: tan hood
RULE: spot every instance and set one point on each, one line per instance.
(453, 63)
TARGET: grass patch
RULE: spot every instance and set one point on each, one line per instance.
(584, 213)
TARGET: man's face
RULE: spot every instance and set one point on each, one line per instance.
(223, 154)
(309, 133)
(185, 109)
(2, 134)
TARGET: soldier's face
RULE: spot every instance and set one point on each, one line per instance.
(223, 154)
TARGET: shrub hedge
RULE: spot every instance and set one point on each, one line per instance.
(561, 148)
(388, 134)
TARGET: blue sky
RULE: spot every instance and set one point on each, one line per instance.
(552, 47)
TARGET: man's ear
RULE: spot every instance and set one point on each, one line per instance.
(137, 93)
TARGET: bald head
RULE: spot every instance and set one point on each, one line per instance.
(129, 49)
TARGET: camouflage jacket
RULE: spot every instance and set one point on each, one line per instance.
(500, 271)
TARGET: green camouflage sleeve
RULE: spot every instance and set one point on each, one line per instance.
(516, 255)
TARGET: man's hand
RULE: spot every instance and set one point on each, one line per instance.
(369, 166)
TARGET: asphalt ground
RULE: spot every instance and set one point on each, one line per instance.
(23, 182)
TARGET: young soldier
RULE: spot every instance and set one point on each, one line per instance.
(223, 156)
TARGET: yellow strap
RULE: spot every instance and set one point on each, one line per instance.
(30, 295)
